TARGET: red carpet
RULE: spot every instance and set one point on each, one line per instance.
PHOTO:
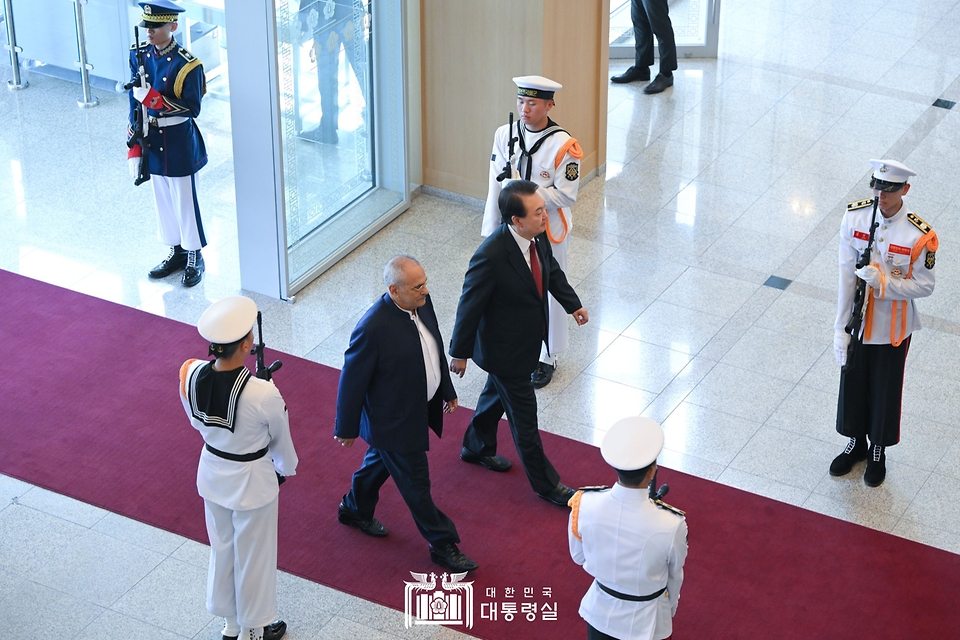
(90, 410)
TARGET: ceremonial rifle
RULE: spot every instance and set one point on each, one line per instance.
(140, 120)
(263, 372)
(657, 495)
(860, 294)
(507, 172)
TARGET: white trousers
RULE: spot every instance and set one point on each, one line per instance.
(178, 213)
(558, 335)
(242, 580)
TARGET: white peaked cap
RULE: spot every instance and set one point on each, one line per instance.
(891, 170)
(228, 320)
(536, 87)
(632, 443)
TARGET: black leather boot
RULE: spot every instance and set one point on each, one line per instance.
(855, 451)
(193, 272)
(175, 261)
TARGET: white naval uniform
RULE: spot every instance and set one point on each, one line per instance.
(556, 189)
(632, 546)
(240, 500)
(895, 239)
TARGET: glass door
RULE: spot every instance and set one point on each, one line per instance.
(696, 25)
(340, 76)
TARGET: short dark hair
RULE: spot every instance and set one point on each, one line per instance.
(226, 350)
(511, 199)
(634, 477)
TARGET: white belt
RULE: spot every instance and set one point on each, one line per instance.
(169, 121)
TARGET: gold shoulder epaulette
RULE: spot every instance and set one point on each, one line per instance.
(672, 509)
(598, 487)
(859, 204)
(918, 222)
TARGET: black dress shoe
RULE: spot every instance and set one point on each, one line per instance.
(632, 74)
(543, 375)
(560, 495)
(876, 467)
(494, 463)
(175, 261)
(193, 272)
(275, 631)
(855, 451)
(447, 555)
(371, 527)
(659, 84)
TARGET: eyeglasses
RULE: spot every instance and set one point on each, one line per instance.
(886, 187)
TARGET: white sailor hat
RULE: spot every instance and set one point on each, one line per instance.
(228, 320)
(536, 87)
(632, 443)
(157, 13)
(889, 175)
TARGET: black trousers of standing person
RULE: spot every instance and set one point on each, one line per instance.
(871, 391)
(593, 634)
(411, 474)
(652, 17)
(517, 398)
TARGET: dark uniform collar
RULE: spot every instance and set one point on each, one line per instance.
(214, 395)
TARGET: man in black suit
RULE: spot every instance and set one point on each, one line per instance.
(501, 320)
(394, 384)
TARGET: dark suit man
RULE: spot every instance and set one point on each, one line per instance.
(501, 320)
(393, 386)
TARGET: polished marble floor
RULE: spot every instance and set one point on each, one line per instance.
(738, 173)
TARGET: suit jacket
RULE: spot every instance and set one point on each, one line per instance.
(501, 319)
(382, 395)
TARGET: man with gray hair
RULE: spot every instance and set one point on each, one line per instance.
(394, 385)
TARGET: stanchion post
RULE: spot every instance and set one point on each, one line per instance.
(11, 46)
(87, 100)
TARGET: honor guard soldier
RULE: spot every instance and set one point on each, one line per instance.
(901, 269)
(537, 149)
(633, 545)
(247, 454)
(169, 89)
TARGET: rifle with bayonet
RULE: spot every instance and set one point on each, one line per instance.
(141, 123)
(860, 294)
(263, 372)
(507, 172)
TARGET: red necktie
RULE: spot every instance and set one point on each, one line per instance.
(535, 267)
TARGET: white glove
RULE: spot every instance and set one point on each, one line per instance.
(140, 93)
(841, 340)
(133, 167)
(871, 275)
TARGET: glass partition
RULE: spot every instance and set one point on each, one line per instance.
(330, 74)
(696, 27)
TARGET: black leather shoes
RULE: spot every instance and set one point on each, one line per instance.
(632, 74)
(371, 527)
(447, 555)
(174, 262)
(543, 375)
(193, 272)
(273, 631)
(659, 84)
(494, 463)
(855, 451)
(876, 467)
(560, 495)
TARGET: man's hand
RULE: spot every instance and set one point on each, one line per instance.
(581, 316)
(871, 275)
(841, 342)
(458, 366)
(451, 405)
(148, 96)
(346, 442)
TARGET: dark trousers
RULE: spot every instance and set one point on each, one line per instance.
(347, 31)
(652, 17)
(593, 634)
(411, 474)
(871, 389)
(516, 398)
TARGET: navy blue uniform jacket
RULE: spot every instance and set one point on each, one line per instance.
(177, 150)
(383, 385)
(501, 319)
